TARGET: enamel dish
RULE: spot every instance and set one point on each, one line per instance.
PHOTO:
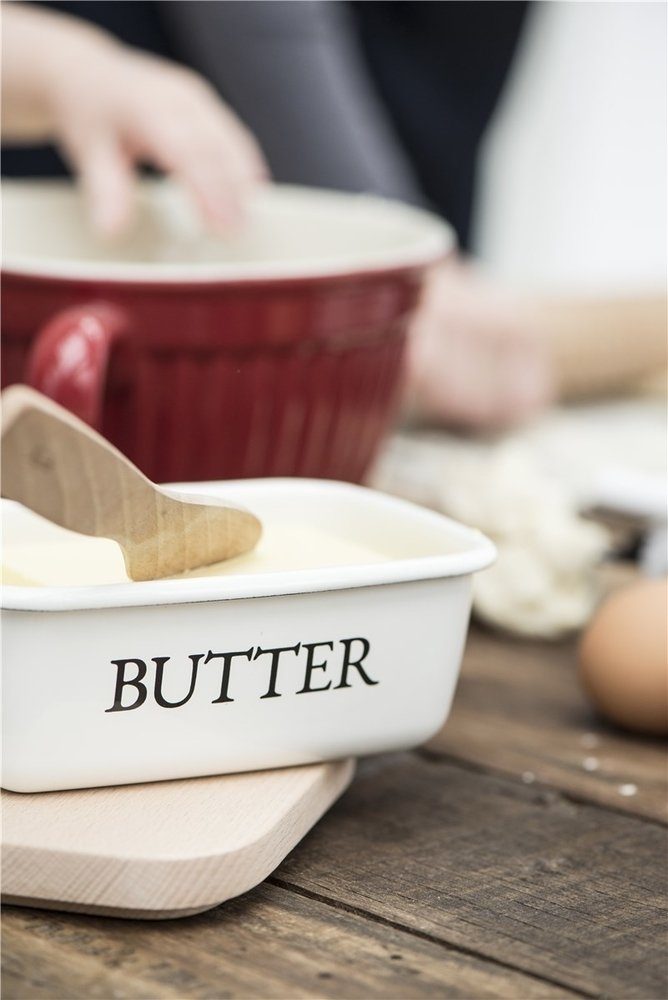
(116, 683)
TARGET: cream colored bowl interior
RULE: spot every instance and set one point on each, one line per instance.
(289, 232)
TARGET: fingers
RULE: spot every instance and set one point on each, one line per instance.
(526, 379)
(474, 359)
(107, 178)
(214, 165)
(201, 143)
(139, 109)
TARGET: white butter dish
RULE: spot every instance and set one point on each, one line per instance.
(114, 683)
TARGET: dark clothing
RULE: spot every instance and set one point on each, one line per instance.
(440, 68)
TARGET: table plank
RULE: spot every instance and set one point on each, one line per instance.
(269, 943)
(568, 892)
(519, 710)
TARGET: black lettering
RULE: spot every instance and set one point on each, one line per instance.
(159, 670)
(227, 661)
(311, 666)
(349, 662)
(135, 682)
(275, 657)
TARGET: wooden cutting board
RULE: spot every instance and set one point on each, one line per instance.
(166, 849)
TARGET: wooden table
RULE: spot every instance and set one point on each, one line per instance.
(508, 859)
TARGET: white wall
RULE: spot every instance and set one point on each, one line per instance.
(572, 186)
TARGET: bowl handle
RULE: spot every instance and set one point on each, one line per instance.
(69, 358)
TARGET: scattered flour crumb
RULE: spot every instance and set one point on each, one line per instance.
(591, 763)
(528, 777)
(627, 790)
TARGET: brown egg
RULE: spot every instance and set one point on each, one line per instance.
(623, 658)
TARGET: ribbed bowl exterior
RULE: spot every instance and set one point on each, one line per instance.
(294, 377)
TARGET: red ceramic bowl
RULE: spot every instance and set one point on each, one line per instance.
(273, 352)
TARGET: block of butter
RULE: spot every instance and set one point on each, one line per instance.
(63, 558)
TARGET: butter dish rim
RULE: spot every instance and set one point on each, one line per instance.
(478, 553)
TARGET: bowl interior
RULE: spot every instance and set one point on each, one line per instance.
(289, 232)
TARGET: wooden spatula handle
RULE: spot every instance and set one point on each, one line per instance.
(61, 468)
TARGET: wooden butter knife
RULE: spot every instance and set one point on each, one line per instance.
(61, 468)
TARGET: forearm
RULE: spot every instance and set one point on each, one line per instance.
(600, 346)
(38, 46)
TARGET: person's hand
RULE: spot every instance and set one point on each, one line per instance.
(109, 108)
(475, 359)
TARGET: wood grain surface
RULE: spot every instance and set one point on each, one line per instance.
(270, 943)
(520, 711)
(568, 892)
(444, 874)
